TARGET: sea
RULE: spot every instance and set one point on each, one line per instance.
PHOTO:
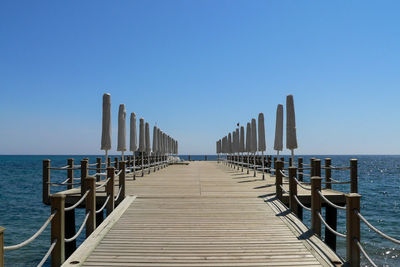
(22, 212)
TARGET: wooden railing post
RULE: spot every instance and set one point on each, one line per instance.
(110, 190)
(353, 176)
(2, 246)
(91, 205)
(328, 173)
(353, 229)
(58, 230)
(315, 205)
(98, 168)
(317, 167)
(84, 174)
(108, 162)
(116, 163)
(312, 167)
(293, 190)
(70, 173)
(278, 178)
(300, 168)
(46, 182)
(121, 180)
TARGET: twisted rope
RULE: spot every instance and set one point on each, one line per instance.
(119, 192)
(284, 189)
(103, 184)
(77, 203)
(104, 205)
(329, 228)
(67, 240)
(375, 229)
(301, 204)
(283, 174)
(302, 186)
(329, 202)
(364, 253)
(46, 256)
(34, 236)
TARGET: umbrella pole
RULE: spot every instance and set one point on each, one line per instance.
(292, 157)
(142, 166)
(248, 163)
(134, 166)
(254, 164)
(122, 155)
(106, 158)
(262, 160)
(148, 163)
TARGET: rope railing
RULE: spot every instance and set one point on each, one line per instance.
(118, 173)
(302, 186)
(119, 193)
(364, 252)
(301, 204)
(66, 168)
(34, 236)
(306, 174)
(337, 168)
(394, 240)
(283, 174)
(104, 205)
(330, 228)
(284, 190)
(103, 184)
(48, 253)
(95, 169)
(67, 240)
(78, 202)
(336, 182)
(61, 184)
(329, 202)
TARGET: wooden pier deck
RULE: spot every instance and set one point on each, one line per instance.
(202, 214)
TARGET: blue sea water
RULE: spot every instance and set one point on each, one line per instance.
(22, 211)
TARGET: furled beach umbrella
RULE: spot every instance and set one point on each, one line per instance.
(261, 139)
(121, 130)
(254, 142)
(230, 144)
(291, 139)
(237, 144)
(148, 144)
(248, 145)
(278, 144)
(241, 143)
(133, 142)
(155, 145)
(142, 141)
(106, 125)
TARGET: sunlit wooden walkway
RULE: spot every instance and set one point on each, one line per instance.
(202, 214)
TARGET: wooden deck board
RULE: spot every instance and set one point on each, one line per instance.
(202, 214)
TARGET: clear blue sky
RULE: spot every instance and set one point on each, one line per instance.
(197, 68)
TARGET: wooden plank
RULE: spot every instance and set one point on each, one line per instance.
(202, 214)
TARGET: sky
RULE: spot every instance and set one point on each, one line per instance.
(196, 68)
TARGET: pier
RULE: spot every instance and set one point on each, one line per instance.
(202, 213)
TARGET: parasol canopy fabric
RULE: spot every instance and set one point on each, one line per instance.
(261, 133)
(278, 144)
(142, 141)
(106, 123)
(248, 138)
(241, 141)
(253, 136)
(229, 143)
(133, 134)
(121, 146)
(291, 139)
(147, 138)
(155, 146)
